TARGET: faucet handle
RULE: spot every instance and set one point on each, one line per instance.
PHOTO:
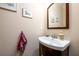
(52, 35)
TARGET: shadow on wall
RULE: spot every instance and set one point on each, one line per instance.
(35, 52)
(72, 51)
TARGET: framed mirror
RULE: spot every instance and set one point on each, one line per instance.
(58, 16)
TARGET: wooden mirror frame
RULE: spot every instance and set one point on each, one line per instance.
(67, 18)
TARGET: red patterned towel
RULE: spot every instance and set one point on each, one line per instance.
(21, 44)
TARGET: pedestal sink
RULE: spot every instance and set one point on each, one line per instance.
(54, 43)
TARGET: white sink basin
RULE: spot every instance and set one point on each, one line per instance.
(53, 43)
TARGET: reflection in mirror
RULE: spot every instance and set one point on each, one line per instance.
(58, 16)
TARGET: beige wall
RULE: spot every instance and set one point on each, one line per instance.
(11, 23)
(72, 33)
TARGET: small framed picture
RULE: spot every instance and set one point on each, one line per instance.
(9, 6)
(26, 13)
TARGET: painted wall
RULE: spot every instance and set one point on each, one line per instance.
(11, 23)
(72, 33)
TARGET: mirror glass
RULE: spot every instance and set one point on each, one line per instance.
(58, 16)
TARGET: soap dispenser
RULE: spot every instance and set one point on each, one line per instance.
(61, 36)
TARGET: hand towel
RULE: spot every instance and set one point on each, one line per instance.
(21, 44)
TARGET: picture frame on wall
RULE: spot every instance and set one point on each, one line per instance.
(26, 13)
(9, 6)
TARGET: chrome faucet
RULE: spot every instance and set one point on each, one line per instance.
(53, 35)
